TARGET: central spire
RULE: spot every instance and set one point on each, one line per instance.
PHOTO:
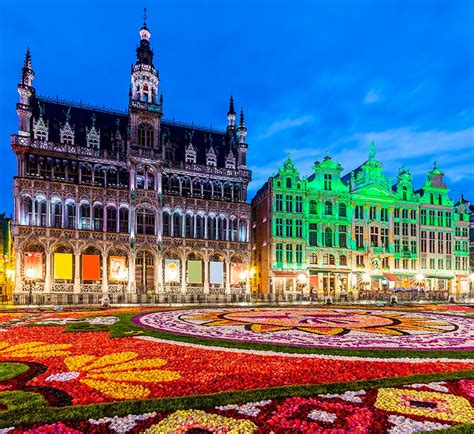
(144, 52)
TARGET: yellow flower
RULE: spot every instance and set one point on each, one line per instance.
(117, 374)
(442, 406)
(33, 349)
(186, 420)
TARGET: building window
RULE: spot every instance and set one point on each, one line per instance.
(359, 261)
(384, 233)
(279, 202)
(299, 254)
(200, 228)
(396, 228)
(413, 247)
(313, 234)
(98, 218)
(423, 217)
(328, 242)
(449, 219)
(289, 203)
(299, 228)
(384, 214)
(413, 214)
(373, 213)
(359, 234)
(279, 252)
(111, 219)
(440, 242)
(423, 242)
(289, 253)
(343, 260)
(85, 217)
(328, 208)
(289, 228)
(404, 213)
(314, 258)
(374, 236)
(327, 181)
(432, 242)
(123, 220)
(405, 229)
(57, 215)
(70, 216)
(342, 210)
(359, 212)
(299, 204)
(145, 136)
(279, 227)
(397, 246)
(413, 229)
(343, 236)
(288, 183)
(145, 222)
(313, 207)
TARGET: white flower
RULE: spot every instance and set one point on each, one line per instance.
(248, 409)
(124, 424)
(322, 416)
(351, 396)
(63, 376)
(405, 425)
(435, 385)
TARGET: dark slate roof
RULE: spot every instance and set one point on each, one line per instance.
(346, 178)
(106, 122)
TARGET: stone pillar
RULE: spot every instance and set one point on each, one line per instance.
(47, 279)
(131, 272)
(183, 274)
(77, 276)
(105, 287)
(104, 223)
(48, 213)
(227, 276)
(206, 275)
(159, 272)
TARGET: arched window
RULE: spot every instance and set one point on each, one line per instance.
(85, 216)
(123, 220)
(328, 208)
(222, 229)
(111, 219)
(145, 221)
(145, 136)
(211, 228)
(200, 227)
(98, 218)
(288, 183)
(243, 230)
(404, 192)
(342, 260)
(177, 224)
(188, 230)
(331, 260)
(56, 214)
(71, 216)
(233, 230)
(166, 224)
(342, 210)
(313, 207)
(328, 237)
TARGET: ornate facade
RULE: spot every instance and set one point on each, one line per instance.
(127, 202)
(360, 235)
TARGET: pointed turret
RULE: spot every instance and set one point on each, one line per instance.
(26, 91)
(242, 130)
(231, 115)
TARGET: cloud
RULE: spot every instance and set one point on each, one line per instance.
(284, 125)
(372, 96)
(410, 146)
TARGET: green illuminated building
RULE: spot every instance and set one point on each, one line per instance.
(359, 235)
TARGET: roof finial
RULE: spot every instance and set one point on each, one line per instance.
(435, 165)
(242, 118)
(372, 150)
(144, 17)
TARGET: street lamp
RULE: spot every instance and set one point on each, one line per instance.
(30, 279)
(122, 278)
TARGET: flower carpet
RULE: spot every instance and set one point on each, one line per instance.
(238, 370)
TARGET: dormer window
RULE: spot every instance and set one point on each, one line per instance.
(211, 159)
(93, 138)
(67, 134)
(230, 161)
(40, 130)
(190, 155)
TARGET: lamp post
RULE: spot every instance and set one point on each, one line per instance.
(30, 280)
(122, 278)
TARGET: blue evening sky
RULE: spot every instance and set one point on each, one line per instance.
(313, 76)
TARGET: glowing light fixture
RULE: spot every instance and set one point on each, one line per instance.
(366, 277)
(420, 277)
(302, 278)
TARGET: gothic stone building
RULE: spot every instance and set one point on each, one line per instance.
(110, 202)
(359, 235)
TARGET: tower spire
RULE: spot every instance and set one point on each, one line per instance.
(144, 17)
(242, 130)
(231, 115)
